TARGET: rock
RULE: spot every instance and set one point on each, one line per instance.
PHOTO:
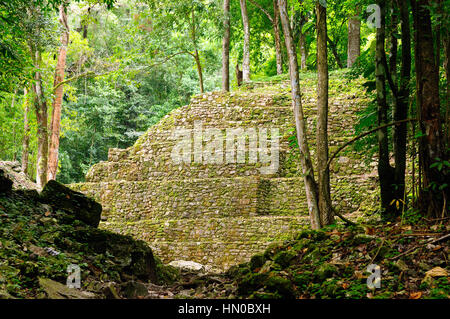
(79, 205)
(19, 179)
(5, 182)
(133, 258)
(187, 265)
(134, 290)
(56, 290)
(257, 261)
(325, 271)
(284, 257)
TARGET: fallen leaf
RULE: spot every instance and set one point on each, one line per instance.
(47, 213)
(415, 295)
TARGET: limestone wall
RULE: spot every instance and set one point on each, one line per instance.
(221, 214)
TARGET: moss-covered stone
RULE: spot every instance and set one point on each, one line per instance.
(283, 258)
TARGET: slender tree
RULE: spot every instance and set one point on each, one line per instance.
(354, 40)
(307, 166)
(385, 170)
(196, 54)
(326, 212)
(40, 108)
(246, 24)
(433, 200)
(226, 47)
(302, 39)
(57, 101)
(401, 101)
(26, 133)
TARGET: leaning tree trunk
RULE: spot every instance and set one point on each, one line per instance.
(40, 107)
(226, 47)
(199, 70)
(385, 171)
(354, 40)
(59, 91)
(246, 24)
(277, 35)
(307, 166)
(431, 148)
(326, 211)
(26, 134)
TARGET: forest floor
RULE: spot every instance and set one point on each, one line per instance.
(413, 257)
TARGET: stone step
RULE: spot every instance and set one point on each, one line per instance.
(219, 197)
(246, 228)
(196, 198)
(214, 241)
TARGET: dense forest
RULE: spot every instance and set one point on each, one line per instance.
(78, 78)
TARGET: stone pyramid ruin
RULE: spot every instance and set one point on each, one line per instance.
(194, 198)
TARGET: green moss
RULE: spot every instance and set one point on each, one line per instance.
(325, 271)
(280, 285)
(283, 258)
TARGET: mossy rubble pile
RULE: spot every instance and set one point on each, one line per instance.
(42, 234)
(221, 214)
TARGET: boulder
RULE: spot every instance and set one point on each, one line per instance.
(5, 182)
(77, 204)
(19, 179)
(56, 290)
(134, 290)
(187, 265)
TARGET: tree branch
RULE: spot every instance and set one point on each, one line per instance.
(363, 135)
(262, 9)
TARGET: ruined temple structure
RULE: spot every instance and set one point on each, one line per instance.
(202, 205)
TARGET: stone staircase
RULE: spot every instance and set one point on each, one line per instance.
(221, 214)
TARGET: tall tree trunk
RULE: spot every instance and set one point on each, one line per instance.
(393, 44)
(40, 107)
(246, 24)
(437, 32)
(385, 171)
(302, 39)
(26, 133)
(354, 40)
(303, 51)
(401, 107)
(307, 166)
(326, 211)
(199, 70)
(13, 102)
(431, 145)
(277, 35)
(447, 73)
(59, 92)
(226, 47)
(196, 54)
